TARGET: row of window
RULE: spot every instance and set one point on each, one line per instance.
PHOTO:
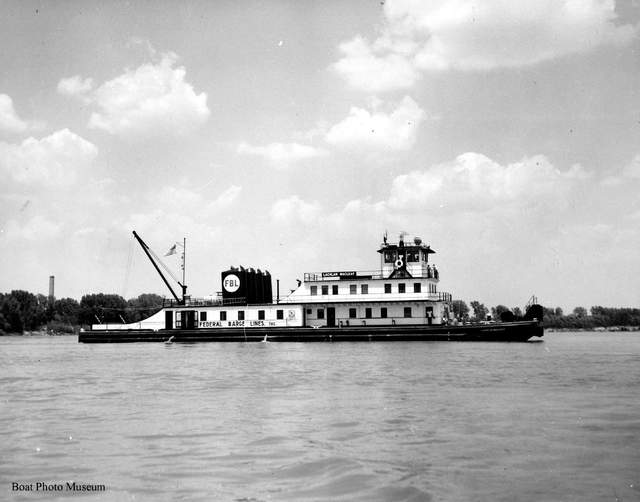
(364, 289)
(411, 256)
(223, 315)
(368, 312)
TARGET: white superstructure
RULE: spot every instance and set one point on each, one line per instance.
(403, 291)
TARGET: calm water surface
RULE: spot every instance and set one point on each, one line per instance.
(549, 421)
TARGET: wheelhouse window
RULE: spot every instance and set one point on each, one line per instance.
(401, 287)
(353, 289)
(383, 312)
(223, 315)
(417, 287)
(388, 257)
(407, 311)
(309, 311)
(352, 313)
(314, 290)
(261, 315)
(387, 288)
(368, 313)
(413, 256)
(320, 314)
(364, 289)
(203, 316)
(279, 314)
(240, 315)
(334, 289)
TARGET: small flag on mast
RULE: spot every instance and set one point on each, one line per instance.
(173, 249)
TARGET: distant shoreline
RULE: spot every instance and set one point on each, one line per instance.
(39, 333)
(600, 329)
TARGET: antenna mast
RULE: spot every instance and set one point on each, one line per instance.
(184, 284)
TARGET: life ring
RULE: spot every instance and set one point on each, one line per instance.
(399, 263)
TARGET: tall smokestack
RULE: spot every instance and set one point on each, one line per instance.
(52, 280)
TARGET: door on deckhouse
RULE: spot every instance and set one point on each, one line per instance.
(331, 316)
(188, 319)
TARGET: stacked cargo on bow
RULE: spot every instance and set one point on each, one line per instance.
(246, 286)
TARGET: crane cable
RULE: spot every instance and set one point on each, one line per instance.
(167, 269)
(127, 272)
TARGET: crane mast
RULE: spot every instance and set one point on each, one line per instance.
(154, 261)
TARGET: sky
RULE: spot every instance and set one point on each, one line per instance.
(290, 135)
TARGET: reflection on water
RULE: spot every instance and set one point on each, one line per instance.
(558, 420)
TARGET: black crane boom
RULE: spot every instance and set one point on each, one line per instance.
(145, 248)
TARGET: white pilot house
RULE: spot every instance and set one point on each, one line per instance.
(403, 291)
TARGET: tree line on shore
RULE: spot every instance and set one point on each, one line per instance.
(579, 318)
(22, 311)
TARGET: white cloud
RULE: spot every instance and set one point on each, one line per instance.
(377, 130)
(472, 184)
(162, 226)
(632, 170)
(152, 99)
(177, 199)
(475, 182)
(319, 130)
(37, 228)
(620, 176)
(461, 34)
(74, 86)
(228, 197)
(293, 209)
(281, 155)
(9, 120)
(365, 69)
(55, 159)
(358, 216)
(179, 210)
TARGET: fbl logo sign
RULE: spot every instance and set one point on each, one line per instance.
(231, 283)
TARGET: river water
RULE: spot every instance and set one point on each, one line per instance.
(418, 421)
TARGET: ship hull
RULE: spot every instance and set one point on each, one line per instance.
(520, 331)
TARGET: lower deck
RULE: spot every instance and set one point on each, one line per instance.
(276, 316)
(520, 331)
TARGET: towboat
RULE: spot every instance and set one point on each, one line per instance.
(399, 301)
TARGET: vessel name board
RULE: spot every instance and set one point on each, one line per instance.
(239, 324)
(344, 275)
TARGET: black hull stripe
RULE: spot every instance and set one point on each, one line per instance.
(505, 332)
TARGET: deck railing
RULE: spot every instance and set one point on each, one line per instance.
(427, 273)
(219, 302)
(204, 302)
(409, 296)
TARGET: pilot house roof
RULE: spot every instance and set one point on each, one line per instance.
(416, 244)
